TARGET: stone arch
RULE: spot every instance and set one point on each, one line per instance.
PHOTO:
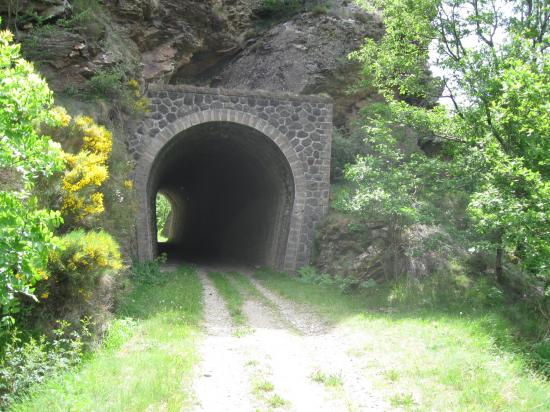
(145, 225)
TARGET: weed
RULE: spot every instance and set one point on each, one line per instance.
(27, 363)
(392, 375)
(403, 400)
(149, 272)
(332, 380)
(276, 401)
(263, 386)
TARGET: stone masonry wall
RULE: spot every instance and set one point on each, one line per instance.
(301, 126)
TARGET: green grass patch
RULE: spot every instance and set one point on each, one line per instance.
(263, 386)
(146, 360)
(428, 358)
(277, 401)
(330, 380)
(233, 298)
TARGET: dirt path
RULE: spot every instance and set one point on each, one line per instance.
(221, 383)
(281, 363)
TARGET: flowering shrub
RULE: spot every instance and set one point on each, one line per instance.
(87, 168)
(79, 262)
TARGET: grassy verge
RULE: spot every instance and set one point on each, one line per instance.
(146, 360)
(233, 298)
(425, 359)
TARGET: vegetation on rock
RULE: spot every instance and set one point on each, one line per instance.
(493, 139)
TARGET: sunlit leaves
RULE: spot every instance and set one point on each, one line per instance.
(25, 228)
(496, 76)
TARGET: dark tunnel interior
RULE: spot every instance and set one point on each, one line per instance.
(231, 191)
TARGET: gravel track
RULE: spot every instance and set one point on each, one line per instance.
(287, 343)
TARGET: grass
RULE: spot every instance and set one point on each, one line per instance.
(431, 358)
(263, 386)
(146, 361)
(247, 288)
(276, 401)
(233, 298)
(330, 381)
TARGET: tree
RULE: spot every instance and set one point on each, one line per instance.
(494, 69)
(25, 155)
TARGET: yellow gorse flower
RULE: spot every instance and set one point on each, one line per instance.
(87, 170)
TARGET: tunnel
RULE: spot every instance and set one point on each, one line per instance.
(231, 192)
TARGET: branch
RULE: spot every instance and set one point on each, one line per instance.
(451, 138)
(453, 99)
(489, 119)
(479, 30)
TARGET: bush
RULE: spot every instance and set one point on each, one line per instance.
(149, 272)
(274, 8)
(85, 271)
(117, 85)
(88, 148)
(83, 258)
(26, 229)
(26, 364)
(345, 150)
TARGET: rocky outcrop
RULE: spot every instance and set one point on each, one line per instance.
(206, 43)
(362, 250)
(305, 55)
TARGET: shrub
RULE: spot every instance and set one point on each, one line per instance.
(117, 85)
(25, 155)
(345, 150)
(26, 364)
(274, 8)
(149, 272)
(87, 168)
(80, 268)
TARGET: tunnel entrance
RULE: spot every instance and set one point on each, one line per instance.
(231, 192)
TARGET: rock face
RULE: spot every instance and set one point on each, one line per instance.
(205, 43)
(361, 250)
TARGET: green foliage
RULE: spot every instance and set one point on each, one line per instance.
(25, 155)
(274, 8)
(391, 182)
(117, 85)
(26, 364)
(80, 261)
(163, 210)
(149, 272)
(496, 75)
(345, 149)
(308, 274)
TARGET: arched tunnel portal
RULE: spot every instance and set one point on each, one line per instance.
(246, 173)
(232, 192)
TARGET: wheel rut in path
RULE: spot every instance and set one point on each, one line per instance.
(221, 384)
(287, 344)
